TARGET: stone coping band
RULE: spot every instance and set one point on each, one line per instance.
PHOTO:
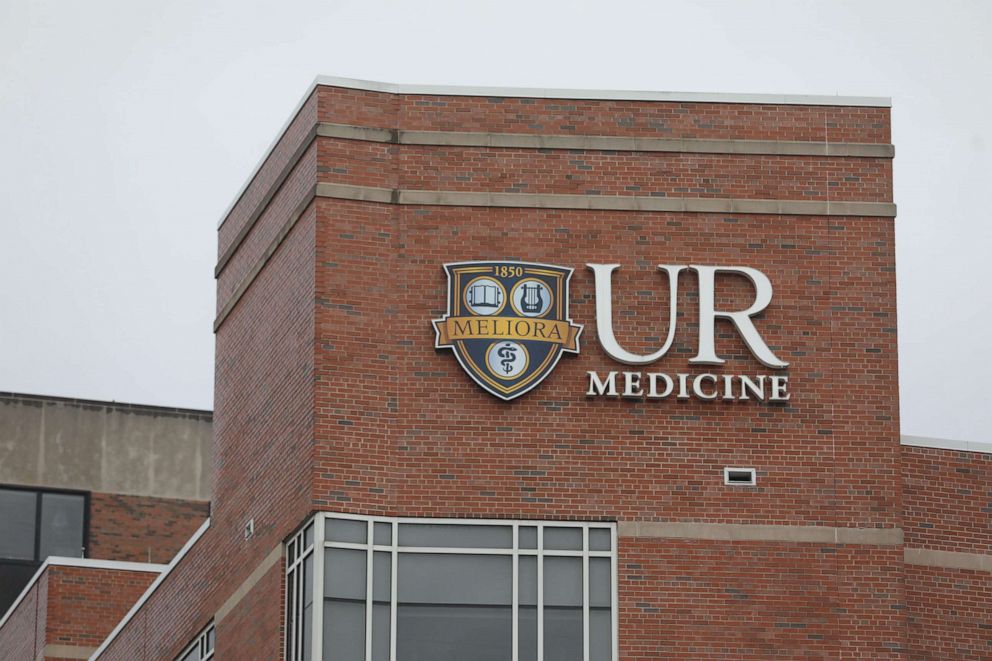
(549, 201)
(949, 559)
(274, 556)
(534, 141)
(740, 532)
(604, 142)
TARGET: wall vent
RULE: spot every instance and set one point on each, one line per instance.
(746, 477)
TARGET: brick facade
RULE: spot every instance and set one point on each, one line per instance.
(70, 610)
(331, 396)
(141, 528)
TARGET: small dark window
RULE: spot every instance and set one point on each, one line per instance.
(740, 476)
(36, 524)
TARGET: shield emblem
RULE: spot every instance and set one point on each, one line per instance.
(507, 323)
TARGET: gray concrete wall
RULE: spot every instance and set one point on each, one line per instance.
(105, 446)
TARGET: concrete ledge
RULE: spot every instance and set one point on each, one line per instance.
(549, 201)
(604, 202)
(603, 142)
(446, 90)
(739, 532)
(948, 559)
(946, 444)
(261, 570)
(68, 652)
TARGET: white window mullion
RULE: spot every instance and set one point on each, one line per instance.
(392, 593)
(515, 608)
(540, 593)
(585, 593)
(370, 530)
(317, 610)
(614, 598)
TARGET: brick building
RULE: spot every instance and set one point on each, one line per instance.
(569, 375)
(95, 498)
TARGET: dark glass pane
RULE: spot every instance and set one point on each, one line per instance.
(307, 578)
(17, 515)
(308, 536)
(344, 573)
(562, 634)
(454, 633)
(62, 525)
(599, 539)
(527, 633)
(562, 581)
(382, 567)
(527, 577)
(441, 535)
(527, 537)
(600, 634)
(344, 630)
(563, 539)
(382, 533)
(455, 579)
(346, 530)
(307, 631)
(380, 632)
(211, 639)
(600, 585)
(13, 578)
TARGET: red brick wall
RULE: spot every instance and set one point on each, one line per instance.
(331, 396)
(948, 507)
(141, 528)
(73, 606)
(401, 430)
(948, 499)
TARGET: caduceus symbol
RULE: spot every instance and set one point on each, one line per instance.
(508, 353)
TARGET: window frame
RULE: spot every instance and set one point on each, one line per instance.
(39, 493)
(317, 524)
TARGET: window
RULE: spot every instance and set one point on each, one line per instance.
(202, 648)
(36, 524)
(422, 590)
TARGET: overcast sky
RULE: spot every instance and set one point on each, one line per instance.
(126, 128)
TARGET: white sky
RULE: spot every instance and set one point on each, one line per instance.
(126, 128)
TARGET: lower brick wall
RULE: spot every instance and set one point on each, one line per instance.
(142, 528)
(70, 608)
(253, 628)
(692, 599)
(950, 614)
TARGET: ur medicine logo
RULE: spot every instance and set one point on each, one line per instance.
(507, 323)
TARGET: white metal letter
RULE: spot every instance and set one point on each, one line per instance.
(741, 320)
(604, 313)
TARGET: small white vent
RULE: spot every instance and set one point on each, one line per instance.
(250, 529)
(742, 477)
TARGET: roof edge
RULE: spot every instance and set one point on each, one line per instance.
(86, 563)
(602, 94)
(79, 401)
(946, 444)
(552, 93)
